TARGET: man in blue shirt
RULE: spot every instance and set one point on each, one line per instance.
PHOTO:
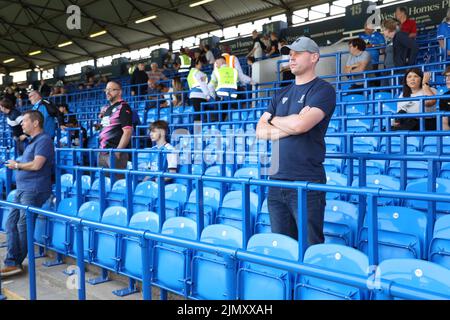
(373, 39)
(51, 114)
(443, 34)
(33, 180)
(296, 121)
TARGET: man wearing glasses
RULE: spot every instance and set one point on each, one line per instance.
(117, 128)
(444, 104)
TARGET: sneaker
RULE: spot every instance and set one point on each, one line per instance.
(10, 271)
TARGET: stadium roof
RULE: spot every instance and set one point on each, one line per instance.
(30, 26)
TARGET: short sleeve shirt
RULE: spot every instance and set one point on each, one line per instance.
(115, 118)
(301, 157)
(409, 26)
(37, 181)
(444, 32)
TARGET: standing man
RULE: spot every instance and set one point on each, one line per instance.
(14, 119)
(33, 179)
(117, 128)
(139, 81)
(406, 24)
(51, 114)
(297, 119)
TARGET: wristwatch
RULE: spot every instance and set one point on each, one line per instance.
(269, 121)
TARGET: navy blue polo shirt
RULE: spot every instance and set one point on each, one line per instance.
(301, 157)
(37, 181)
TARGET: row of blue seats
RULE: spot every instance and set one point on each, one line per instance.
(200, 275)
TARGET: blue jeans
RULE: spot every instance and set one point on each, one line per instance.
(283, 210)
(16, 226)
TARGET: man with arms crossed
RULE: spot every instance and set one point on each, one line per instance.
(297, 119)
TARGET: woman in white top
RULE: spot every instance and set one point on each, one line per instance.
(416, 84)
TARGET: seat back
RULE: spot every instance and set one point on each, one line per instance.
(222, 235)
(180, 227)
(419, 274)
(341, 222)
(90, 211)
(145, 220)
(68, 207)
(440, 244)
(116, 216)
(337, 258)
(421, 186)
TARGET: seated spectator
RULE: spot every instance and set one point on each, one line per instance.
(165, 95)
(403, 49)
(444, 104)
(273, 51)
(443, 33)
(159, 134)
(373, 39)
(358, 61)
(415, 84)
(155, 73)
(407, 25)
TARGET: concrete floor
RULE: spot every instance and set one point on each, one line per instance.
(53, 284)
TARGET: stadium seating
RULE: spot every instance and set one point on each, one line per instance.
(440, 244)
(221, 286)
(259, 282)
(340, 223)
(337, 258)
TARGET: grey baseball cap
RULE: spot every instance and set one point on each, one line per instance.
(300, 45)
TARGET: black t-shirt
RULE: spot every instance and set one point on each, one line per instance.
(274, 43)
(14, 120)
(115, 118)
(301, 157)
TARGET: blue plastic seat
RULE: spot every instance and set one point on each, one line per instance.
(211, 203)
(358, 125)
(387, 107)
(440, 244)
(337, 258)
(379, 182)
(262, 224)
(131, 254)
(4, 211)
(333, 165)
(421, 186)
(430, 144)
(414, 169)
(222, 285)
(172, 263)
(85, 186)
(373, 167)
(66, 184)
(259, 282)
(94, 193)
(445, 171)
(401, 234)
(231, 213)
(412, 144)
(116, 197)
(176, 197)
(59, 230)
(246, 173)
(415, 273)
(354, 109)
(89, 211)
(333, 144)
(335, 179)
(340, 223)
(215, 171)
(365, 144)
(106, 243)
(145, 196)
